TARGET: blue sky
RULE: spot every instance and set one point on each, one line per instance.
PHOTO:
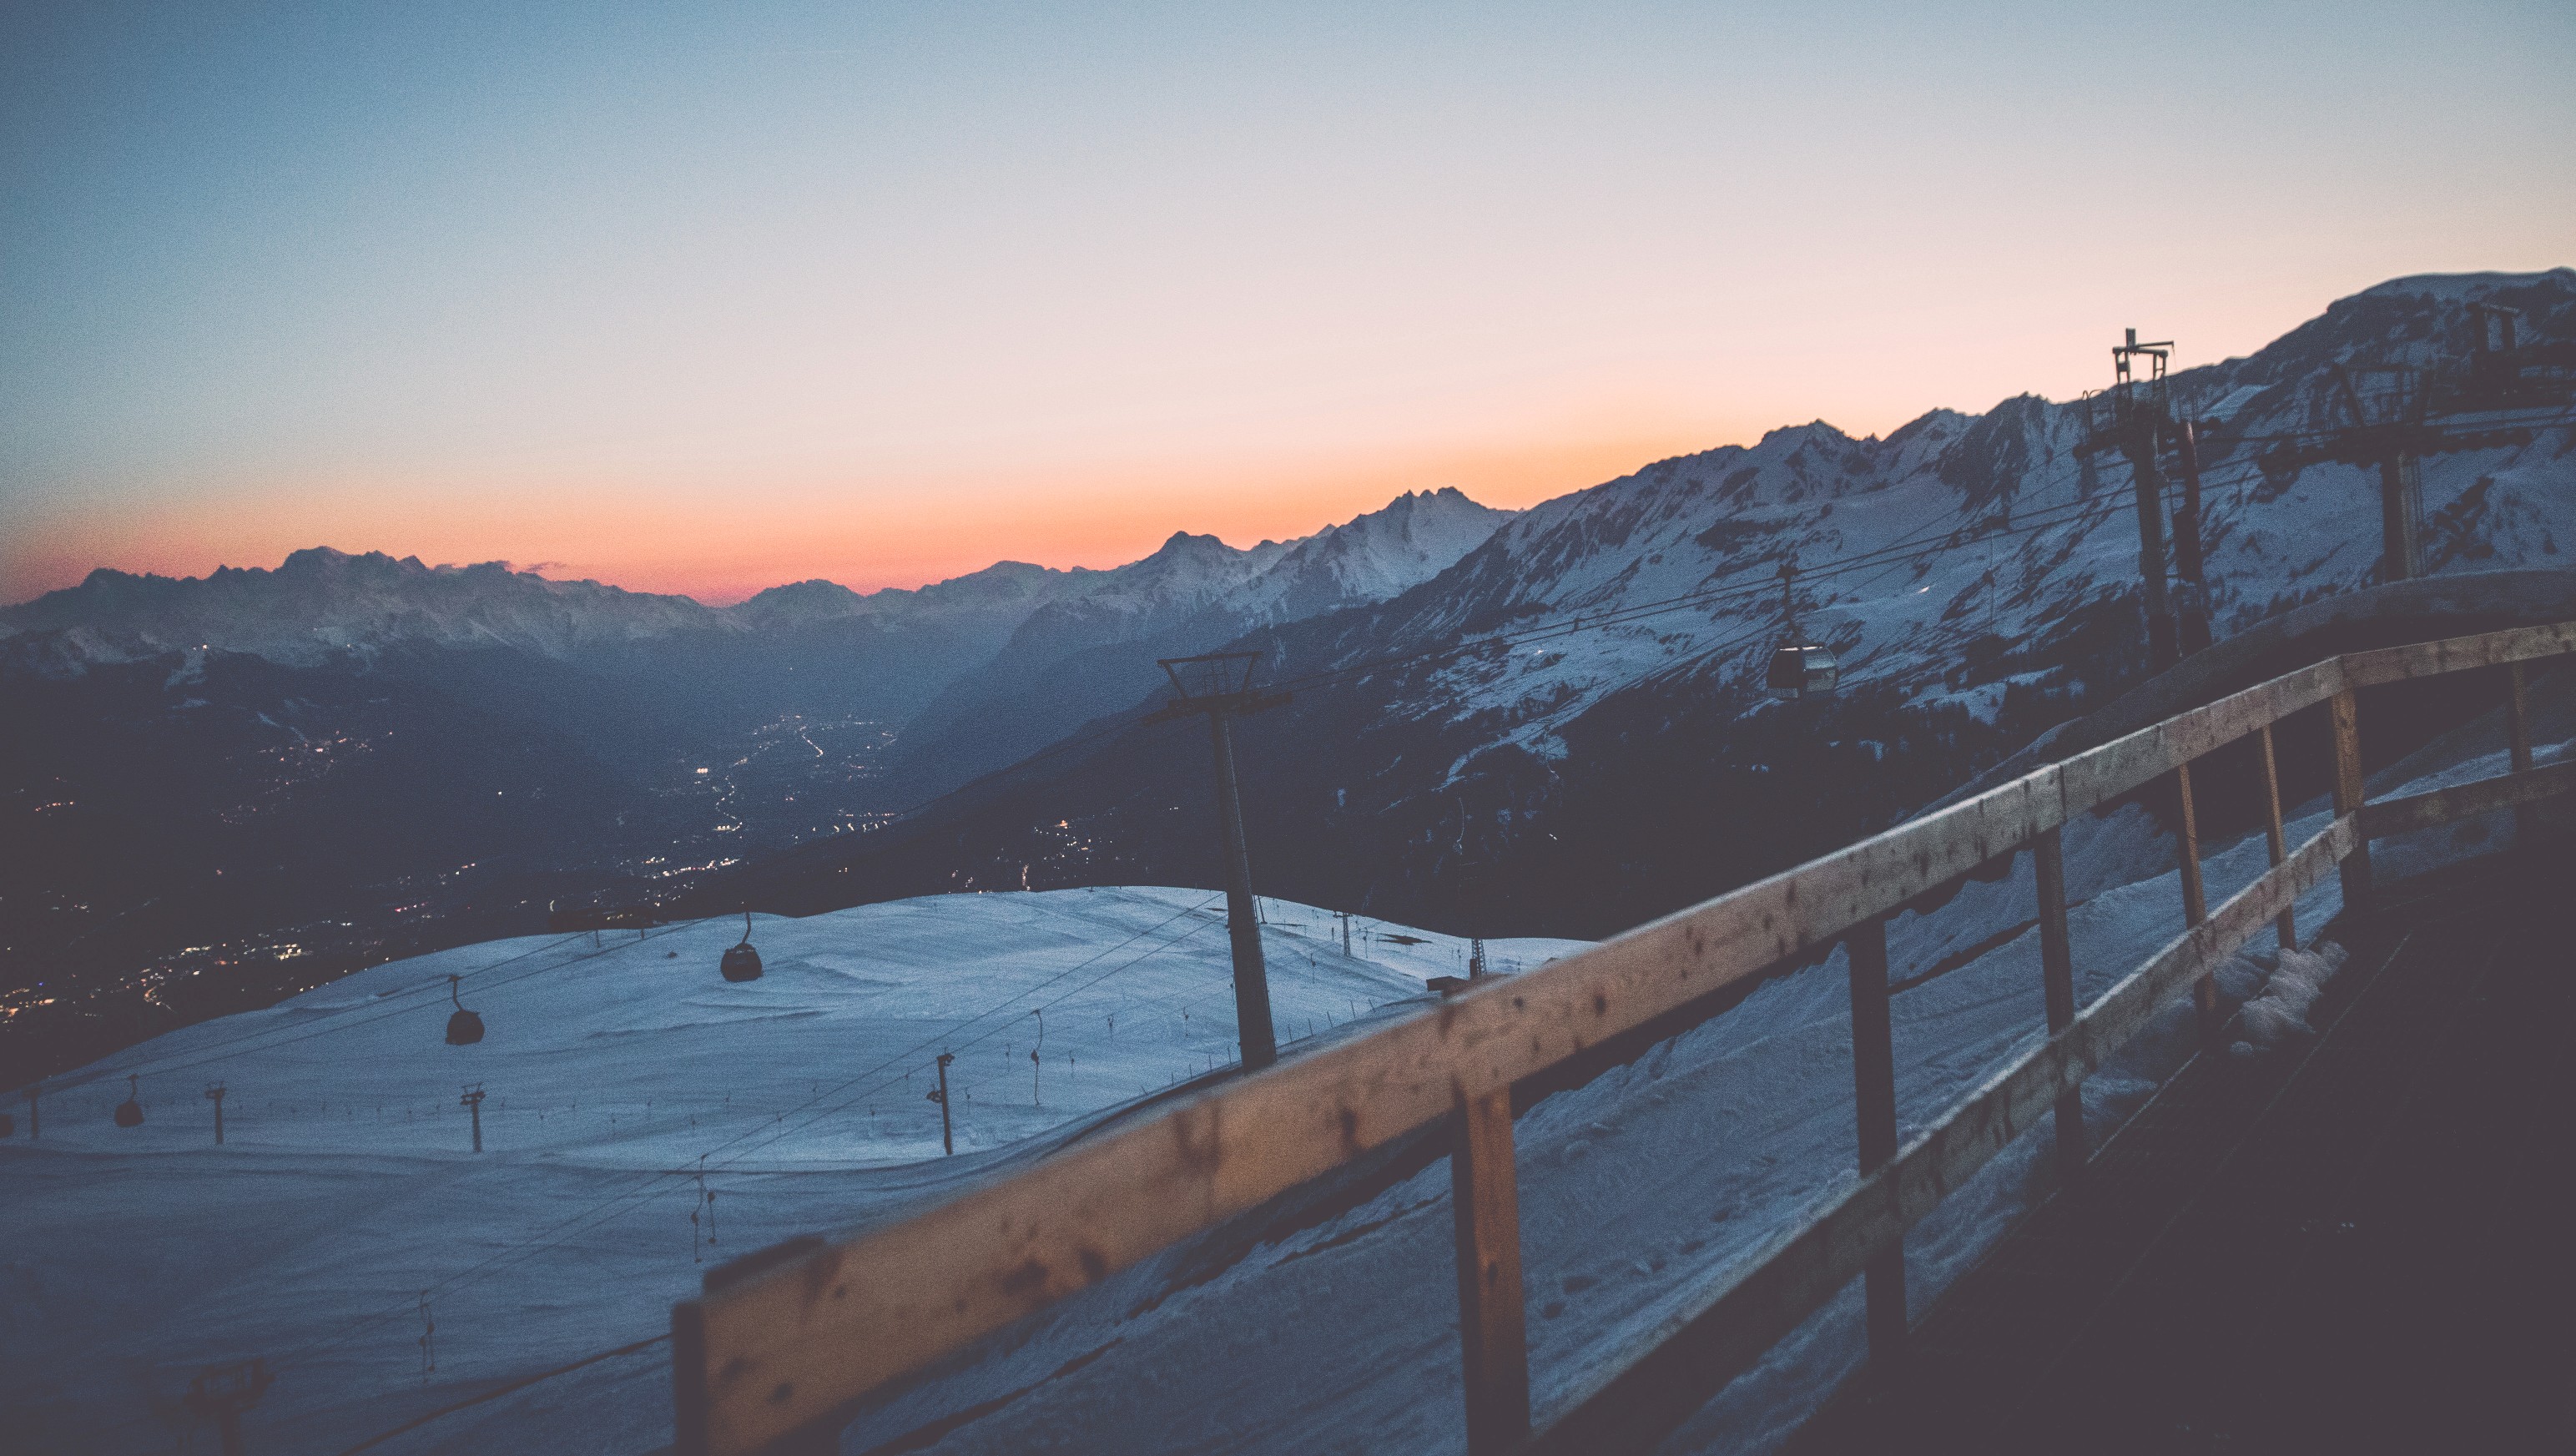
(707, 297)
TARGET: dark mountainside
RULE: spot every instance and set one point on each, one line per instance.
(1585, 781)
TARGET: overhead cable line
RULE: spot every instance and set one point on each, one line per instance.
(647, 1183)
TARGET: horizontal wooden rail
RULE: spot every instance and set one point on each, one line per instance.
(2456, 654)
(2466, 801)
(788, 1348)
(1658, 1378)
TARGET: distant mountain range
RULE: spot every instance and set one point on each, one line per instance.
(1566, 731)
(369, 754)
(1544, 722)
(323, 605)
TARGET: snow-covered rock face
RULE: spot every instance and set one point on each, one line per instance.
(1371, 558)
(1200, 587)
(321, 602)
(1958, 528)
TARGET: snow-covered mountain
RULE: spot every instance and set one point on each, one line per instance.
(956, 647)
(322, 602)
(1005, 592)
(1959, 545)
(1572, 713)
(1091, 650)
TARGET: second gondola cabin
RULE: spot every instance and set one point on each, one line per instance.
(1799, 668)
(741, 962)
(464, 1028)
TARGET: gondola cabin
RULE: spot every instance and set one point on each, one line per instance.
(464, 1028)
(1802, 669)
(741, 962)
(1799, 668)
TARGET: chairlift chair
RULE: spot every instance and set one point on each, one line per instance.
(741, 962)
(463, 1028)
(129, 1113)
(1799, 668)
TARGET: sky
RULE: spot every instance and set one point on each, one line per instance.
(706, 298)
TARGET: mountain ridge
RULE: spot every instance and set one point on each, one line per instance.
(1574, 710)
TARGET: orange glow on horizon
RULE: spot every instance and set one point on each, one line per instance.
(721, 543)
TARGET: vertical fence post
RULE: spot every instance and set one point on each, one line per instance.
(2517, 735)
(2345, 712)
(1491, 1329)
(2195, 903)
(2273, 839)
(1874, 1094)
(2057, 987)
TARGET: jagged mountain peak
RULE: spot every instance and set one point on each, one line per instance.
(2467, 287)
(319, 601)
(1374, 556)
(813, 599)
(1789, 439)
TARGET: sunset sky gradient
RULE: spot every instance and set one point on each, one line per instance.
(708, 298)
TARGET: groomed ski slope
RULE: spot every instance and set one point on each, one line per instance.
(346, 1185)
(345, 1189)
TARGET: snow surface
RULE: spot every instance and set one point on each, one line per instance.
(345, 1189)
(345, 1186)
(2278, 1012)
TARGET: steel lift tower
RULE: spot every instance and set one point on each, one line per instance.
(1219, 685)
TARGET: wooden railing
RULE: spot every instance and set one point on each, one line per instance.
(780, 1349)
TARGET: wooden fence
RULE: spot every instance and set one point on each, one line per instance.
(779, 1349)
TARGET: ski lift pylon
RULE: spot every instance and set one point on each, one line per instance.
(129, 1113)
(463, 1028)
(741, 962)
(1799, 668)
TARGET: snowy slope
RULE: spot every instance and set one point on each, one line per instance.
(345, 1185)
(345, 1190)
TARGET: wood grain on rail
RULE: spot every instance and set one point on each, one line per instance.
(1655, 1379)
(2466, 801)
